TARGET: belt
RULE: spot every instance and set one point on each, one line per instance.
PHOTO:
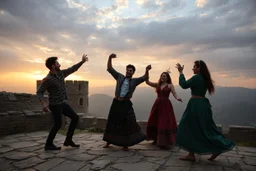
(121, 98)
(199, 97)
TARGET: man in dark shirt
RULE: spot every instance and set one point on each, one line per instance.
(54, 83)
(122, 128)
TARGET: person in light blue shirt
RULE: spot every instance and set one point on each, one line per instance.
(122, 128)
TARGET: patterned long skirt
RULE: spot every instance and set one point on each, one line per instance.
(122, 128)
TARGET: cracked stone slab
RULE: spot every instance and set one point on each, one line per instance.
(95, 137)
(250, 160)
(28, 162)
(175, 161)
(232, 154)
(18, 155)
(8, 141)
(158, 161)
(68, 166)
(143, 147)
(70, 152)
(81, 157)
(219, 161)
(130, 159)
(30, 138)
(31, 149)
(175, 169)
(23, 144)
(236, 160)
(231, 169)
(248, 168)
(93, 145)
(142, 166)
(38, 134)
(49, 164)
(46, 155)
(156, 154)
(112, 159)
(247, 149)
(5, 149)
(99, 164)
(246, 154)
(121, 153)
(100, 151)
(86, 168)
(206, 167)
(29, 170)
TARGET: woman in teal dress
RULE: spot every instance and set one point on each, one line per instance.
(197, 132)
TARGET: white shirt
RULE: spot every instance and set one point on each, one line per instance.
(124, 87)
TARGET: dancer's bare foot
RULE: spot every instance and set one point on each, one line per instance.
(189, 157)
(214, 156)
(106, 146)
(125, 148)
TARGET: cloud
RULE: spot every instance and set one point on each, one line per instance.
(211, 3)
(223, 33)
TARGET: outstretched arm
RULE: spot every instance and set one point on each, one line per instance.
(144, 77)
(174, 92)
(151, 83)
(110, 69)
(75, 67)
(182, 80)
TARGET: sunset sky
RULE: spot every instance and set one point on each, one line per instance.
(140, 32)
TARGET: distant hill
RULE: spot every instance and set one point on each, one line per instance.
(231, 105)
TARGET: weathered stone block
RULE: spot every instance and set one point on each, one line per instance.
(101, 123)
(242, 133)
(87, 122)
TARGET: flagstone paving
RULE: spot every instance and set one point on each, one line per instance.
(26, 152)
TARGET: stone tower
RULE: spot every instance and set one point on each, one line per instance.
(77, 92)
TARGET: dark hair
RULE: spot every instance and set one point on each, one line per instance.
(50, 61)
(206, 75)
(131, 66)
(169, 80)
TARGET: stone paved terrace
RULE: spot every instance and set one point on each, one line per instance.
(25, 152)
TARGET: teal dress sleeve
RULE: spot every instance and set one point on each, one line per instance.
(185, 84)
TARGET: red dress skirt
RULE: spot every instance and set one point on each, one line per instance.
(162, 125)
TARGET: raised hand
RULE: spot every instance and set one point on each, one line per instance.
(84, 58)
(179, 67)
(112, 55)
(148, 67)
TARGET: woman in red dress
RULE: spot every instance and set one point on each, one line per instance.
(162, 125)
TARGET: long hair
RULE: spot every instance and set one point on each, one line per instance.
(206, 75)
(169, 81)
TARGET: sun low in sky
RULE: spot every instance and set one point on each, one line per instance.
(140, 32)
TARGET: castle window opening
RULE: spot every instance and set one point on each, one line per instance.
(81, 102)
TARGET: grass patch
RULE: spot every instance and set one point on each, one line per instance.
(246, 144)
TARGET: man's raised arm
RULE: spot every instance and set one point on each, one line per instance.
(75, 67)
(110, 69)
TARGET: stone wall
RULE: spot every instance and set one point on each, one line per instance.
(13, 122)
